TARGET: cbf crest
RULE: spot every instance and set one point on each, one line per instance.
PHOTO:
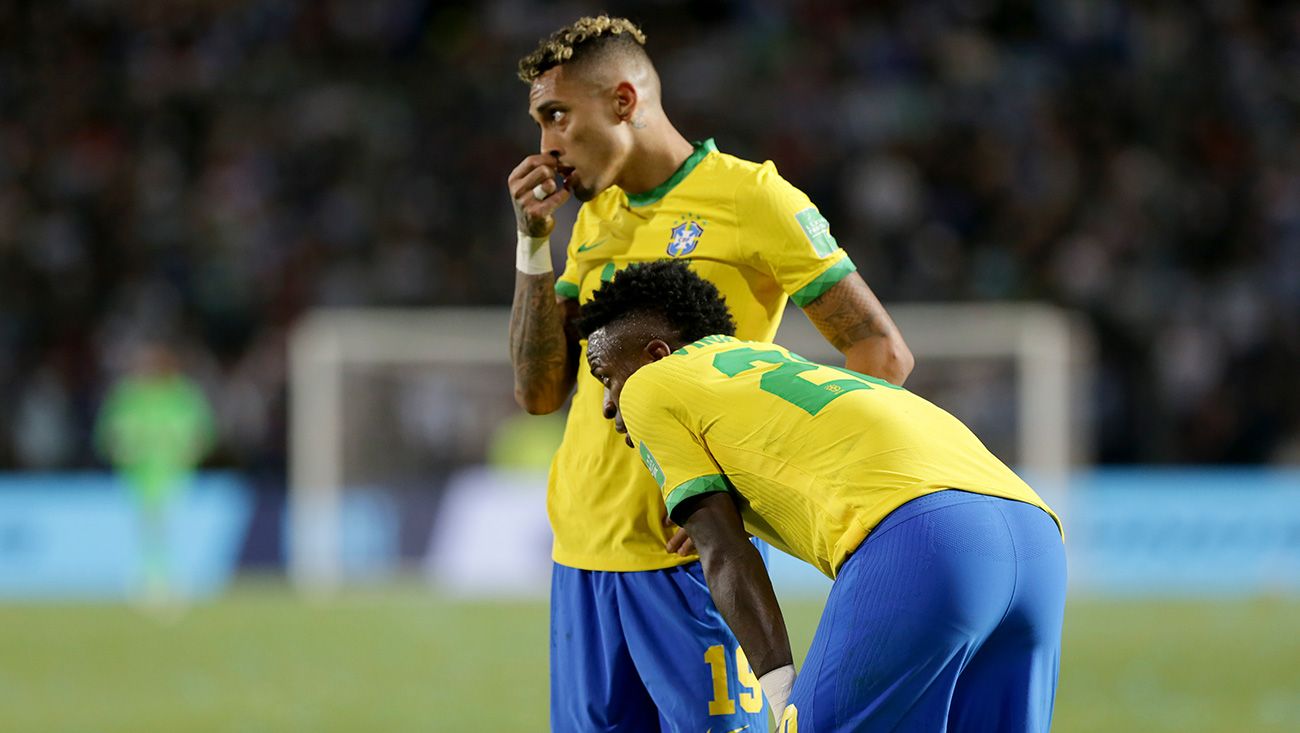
(685, 236)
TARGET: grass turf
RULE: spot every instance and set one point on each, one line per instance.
(399, 658)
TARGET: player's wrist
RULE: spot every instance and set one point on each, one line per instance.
(533, 254)
(777, 685)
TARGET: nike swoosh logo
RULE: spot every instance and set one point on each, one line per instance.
(738, 729)
(591, 246)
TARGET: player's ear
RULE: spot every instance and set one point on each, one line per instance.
(658, 349)
(625, 100)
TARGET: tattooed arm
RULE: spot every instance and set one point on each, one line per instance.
(543, 344)
(854, 321)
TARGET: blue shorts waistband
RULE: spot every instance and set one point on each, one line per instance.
(928, 503)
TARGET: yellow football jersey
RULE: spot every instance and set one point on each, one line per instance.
(759, 240)
(816, 455)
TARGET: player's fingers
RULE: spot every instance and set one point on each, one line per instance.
(524, 185)
(544, 189)
(534, 207)
(556, 199)
(518, 172)
(528, 165)
(534, 215)
(529, 196)
(687, 548)
(679, 542)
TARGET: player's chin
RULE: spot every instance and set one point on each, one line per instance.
(581, 192)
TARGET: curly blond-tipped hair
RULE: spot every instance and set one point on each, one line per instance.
(582, 38)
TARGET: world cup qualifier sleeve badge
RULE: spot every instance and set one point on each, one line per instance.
(685, 236)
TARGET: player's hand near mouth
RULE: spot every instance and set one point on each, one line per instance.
(535, 175)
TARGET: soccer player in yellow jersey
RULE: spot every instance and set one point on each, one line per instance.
(636, 644)
(949, 571)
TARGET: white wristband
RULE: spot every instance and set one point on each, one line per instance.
(777, 685)
(533, 257)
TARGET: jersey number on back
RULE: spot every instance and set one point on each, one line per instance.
(785, 382)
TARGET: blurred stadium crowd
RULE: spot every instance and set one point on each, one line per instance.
(204, 171)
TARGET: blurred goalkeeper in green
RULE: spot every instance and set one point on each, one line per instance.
(155, 428)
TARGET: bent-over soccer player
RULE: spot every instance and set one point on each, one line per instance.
(949, 571)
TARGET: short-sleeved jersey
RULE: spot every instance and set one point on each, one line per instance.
(743, 227)
(816, 455)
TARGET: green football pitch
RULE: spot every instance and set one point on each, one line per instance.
(399, 658)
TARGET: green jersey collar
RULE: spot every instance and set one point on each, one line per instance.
(658, 192)
(716, 338)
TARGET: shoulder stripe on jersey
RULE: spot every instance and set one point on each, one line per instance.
(566, 289)
(711, 484)
(823, 282)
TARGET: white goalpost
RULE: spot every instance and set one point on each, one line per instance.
(1044, 352)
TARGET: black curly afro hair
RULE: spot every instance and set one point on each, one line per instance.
(669, 289)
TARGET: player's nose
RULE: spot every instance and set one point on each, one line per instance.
(610, 409)
(550, 146)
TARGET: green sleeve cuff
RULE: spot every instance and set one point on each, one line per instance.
(711, 484)
(823, 282)
(566, 289)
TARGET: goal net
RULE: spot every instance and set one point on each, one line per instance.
(408, 451)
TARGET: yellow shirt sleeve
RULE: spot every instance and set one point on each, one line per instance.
(673, 453)
(569, 283)
(785, 235)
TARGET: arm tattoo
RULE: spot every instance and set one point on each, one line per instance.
(848, 313)
(541, 344)
(854, 321)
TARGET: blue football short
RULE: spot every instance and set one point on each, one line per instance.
(946, 618)
(646, 651)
